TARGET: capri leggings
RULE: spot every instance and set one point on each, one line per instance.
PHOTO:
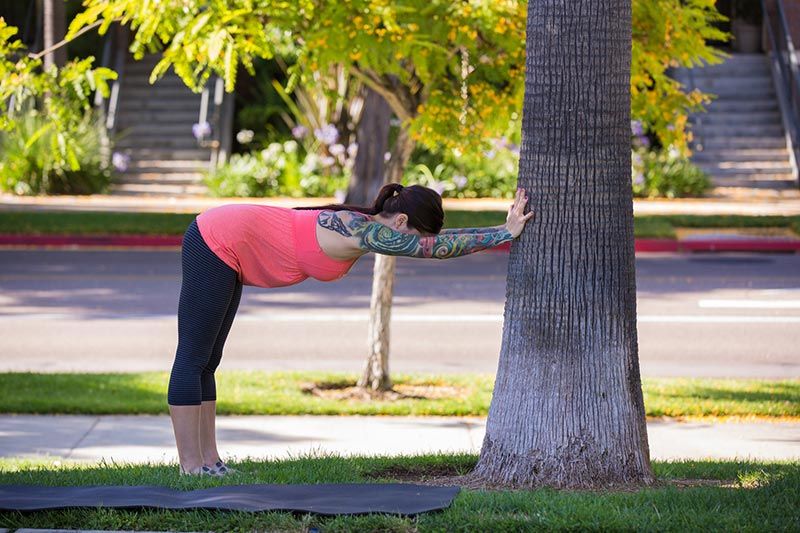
(210, 294)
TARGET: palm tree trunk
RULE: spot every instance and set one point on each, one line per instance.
(567, 409)
(376, 370)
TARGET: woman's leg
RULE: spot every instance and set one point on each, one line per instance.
(207, 289)
(208, 438)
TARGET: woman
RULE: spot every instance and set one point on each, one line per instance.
(234, 245)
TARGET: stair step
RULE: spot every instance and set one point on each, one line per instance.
(738, 95)
(744, 155)
(736, 118)
(158, 178)
(161, 154)
(134, 91)
(758, 105)
(739, 167)
(784, 183)
(168, 165)
(158, 129)
(734, 174)
(135, 189)
(755, 130)
(728, 143)
(745, 83)
(178, 143)
(150, 172)
(130, 115)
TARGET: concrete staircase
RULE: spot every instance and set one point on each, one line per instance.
(740, 141)
(154, 128)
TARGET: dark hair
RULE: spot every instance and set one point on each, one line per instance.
(422, 205)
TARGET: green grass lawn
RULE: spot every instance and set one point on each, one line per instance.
(734, 496)
(281, 393)
(110, 223)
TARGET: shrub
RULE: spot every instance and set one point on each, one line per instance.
(32, 161)
(490, 174)
(278, 170)
(666, 173)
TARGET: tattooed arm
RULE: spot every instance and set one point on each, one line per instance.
(375, 237)
(461, 231)
(371, 236)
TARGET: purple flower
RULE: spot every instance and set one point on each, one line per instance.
(336, 149)
(201, 130)
(352, 149)
(120, 161)
(299, 131)
(460, 181)
(327, 160)
(636, 128)
(638, 179)
(438, 186)
(643, 141)
(327, 134)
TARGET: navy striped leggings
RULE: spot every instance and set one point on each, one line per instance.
(210, 294)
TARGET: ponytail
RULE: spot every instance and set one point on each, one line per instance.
(386, 192)
(422, 205)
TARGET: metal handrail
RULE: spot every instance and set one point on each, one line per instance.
(216, 121)
(786, 71)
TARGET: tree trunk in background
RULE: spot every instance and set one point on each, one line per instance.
(376, 371)
(54, 29)
(372, 136)
(567, 408)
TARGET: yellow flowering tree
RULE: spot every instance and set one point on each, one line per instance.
(451, 71)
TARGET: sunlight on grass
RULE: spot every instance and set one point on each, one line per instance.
(282, 393)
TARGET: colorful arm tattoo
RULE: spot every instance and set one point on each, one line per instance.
(476, 231)
(378, 238)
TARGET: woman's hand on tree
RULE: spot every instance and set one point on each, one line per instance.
(515, 222)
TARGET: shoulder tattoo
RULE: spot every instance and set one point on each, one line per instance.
(330, 220)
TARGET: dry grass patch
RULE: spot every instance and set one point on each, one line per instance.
(336, 390)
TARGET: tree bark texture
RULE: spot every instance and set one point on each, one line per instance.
(373, 142)
(54, 29)
(376, 370)
(567, 408)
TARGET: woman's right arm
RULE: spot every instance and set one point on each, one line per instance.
(376, 237)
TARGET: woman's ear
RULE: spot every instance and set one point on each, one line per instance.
(401, 221)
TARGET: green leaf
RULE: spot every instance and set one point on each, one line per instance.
(38, 134)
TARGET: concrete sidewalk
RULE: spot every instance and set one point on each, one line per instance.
(786, 205)
(149, 438)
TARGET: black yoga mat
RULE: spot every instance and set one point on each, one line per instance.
(326, 499)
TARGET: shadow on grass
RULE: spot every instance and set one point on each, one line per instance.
(778, 392)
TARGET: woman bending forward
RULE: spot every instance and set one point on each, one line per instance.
(238, 244)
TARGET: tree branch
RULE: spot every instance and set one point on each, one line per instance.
(64, 42)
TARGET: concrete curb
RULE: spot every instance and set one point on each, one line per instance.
(760, 245)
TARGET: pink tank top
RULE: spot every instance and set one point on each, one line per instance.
(269, 246)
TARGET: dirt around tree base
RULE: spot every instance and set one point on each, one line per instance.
(349, 391)
(451, 475)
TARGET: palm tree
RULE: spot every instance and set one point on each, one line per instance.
(567, 409)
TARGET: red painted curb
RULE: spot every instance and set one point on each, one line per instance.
(91, 240)
(641, 245)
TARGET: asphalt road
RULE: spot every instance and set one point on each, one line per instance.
(724, 315)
